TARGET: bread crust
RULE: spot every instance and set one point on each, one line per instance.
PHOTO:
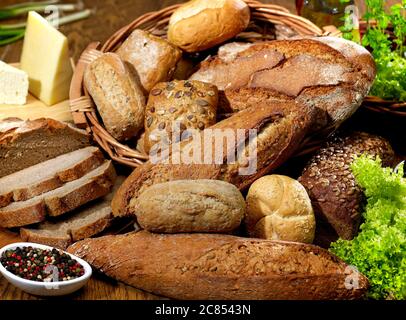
(202, 24)
(191, 206)
(281, 127)
(335, 195)
(186, 104)
(221, 267)
(333, 75)
(117, 92)
(153, 58)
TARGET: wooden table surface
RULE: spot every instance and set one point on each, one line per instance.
(107, 17)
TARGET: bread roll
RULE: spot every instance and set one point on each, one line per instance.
(176, 106)
(201, 24)
(118, 95)
(327, 177)
(222, 267)
(280, 209)
(153, 58)
(191, 206)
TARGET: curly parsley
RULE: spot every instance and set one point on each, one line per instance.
(388, 52)
(379, 250)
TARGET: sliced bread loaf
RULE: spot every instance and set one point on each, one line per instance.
(49, 175)
(70, 196)
(83, 223)
(26, 143)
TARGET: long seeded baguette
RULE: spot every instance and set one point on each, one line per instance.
(281, 128)
(70, 196)
(49, 175)
(331, 74)
(221, 267)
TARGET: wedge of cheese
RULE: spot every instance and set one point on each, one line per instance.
(13, 85)
(45, 58)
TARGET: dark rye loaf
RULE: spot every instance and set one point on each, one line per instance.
(331, 74)
(26, 143)
(327, 177)
(221, 267)
(281, 129)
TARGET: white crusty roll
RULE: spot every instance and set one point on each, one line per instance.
(201, 24)
(279, 208)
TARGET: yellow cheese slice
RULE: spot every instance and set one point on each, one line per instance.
(45, 58)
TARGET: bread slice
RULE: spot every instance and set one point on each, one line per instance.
(83, 223)
(70, 196)
(26, 143)
(49, 175)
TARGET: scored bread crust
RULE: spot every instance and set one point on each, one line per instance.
(221, 267)
(333, 75)
(281, 129)
(335, 195)
(30, 142)
(58, 201)
(200, 24)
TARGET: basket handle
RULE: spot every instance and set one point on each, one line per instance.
(79, 99)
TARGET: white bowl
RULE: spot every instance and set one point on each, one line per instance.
(59, 288)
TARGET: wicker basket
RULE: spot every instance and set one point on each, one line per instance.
(84, 111)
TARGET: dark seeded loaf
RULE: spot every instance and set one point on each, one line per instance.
(336, 198)
(26, 143)
(331, 74)
(221, 267)
(95, 184)
(281, 128)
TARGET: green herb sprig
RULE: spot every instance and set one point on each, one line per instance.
(379, 250)
(388, 52)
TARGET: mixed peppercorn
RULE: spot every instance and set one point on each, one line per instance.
(41, 265)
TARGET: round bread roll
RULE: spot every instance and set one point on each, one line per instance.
(191, 206)
(201, 24)
(279, 208)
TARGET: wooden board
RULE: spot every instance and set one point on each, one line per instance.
(98, 288)
(35, 109)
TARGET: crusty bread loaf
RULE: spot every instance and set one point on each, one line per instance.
(177, 106)
(153, 58)
(220, 267)
(332, 74)
(82, 223)
(201, 24)
(280, 128)
(278, 208)
(190, 206)
(26, 143)
(327, 177)
(70, 196)
(118, 95)
(48, 175)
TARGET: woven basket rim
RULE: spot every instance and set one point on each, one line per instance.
(82, 106)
